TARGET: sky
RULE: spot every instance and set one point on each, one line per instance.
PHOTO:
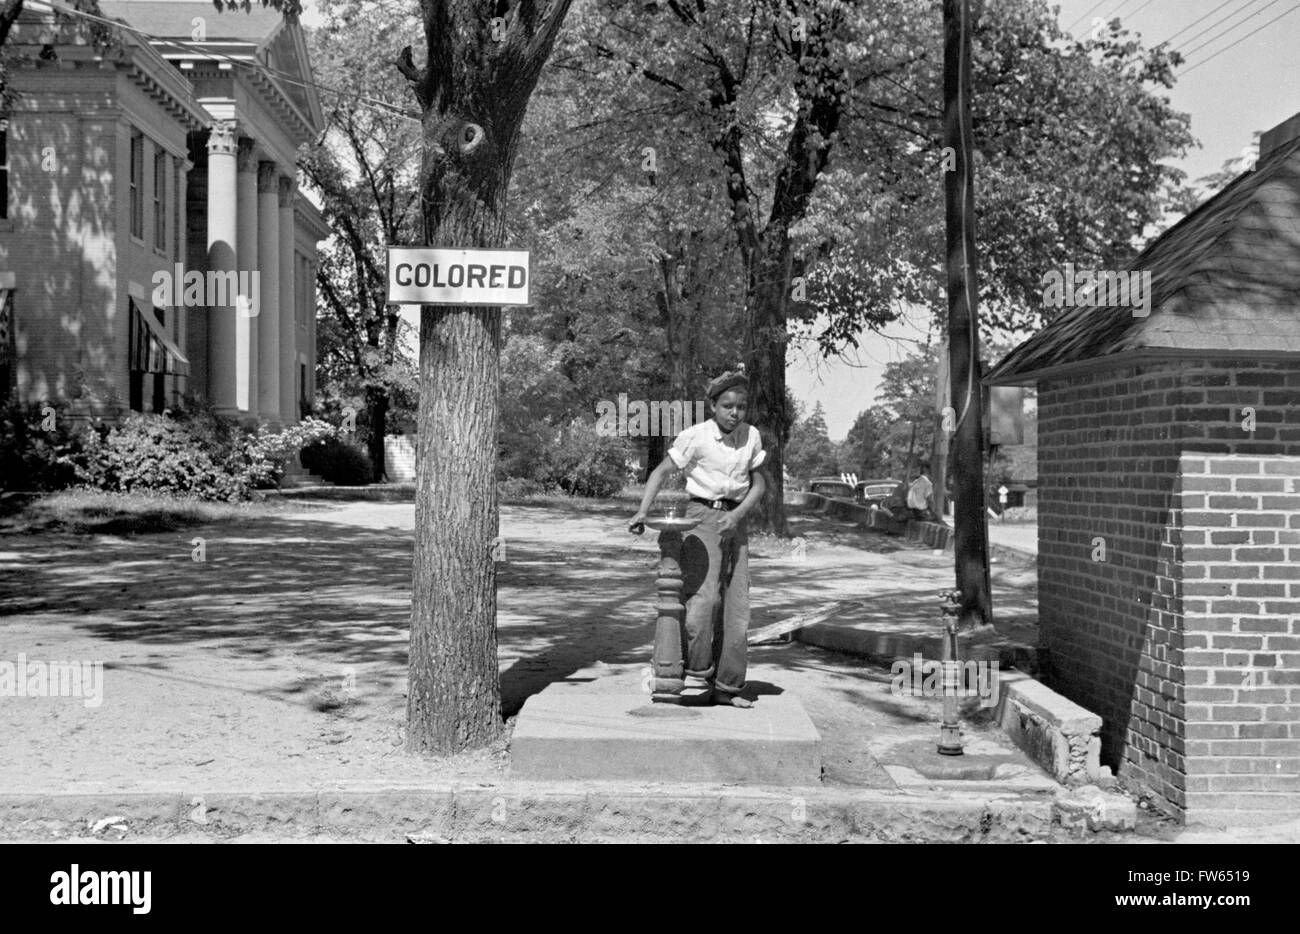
(1253, 85)
(1242, 74)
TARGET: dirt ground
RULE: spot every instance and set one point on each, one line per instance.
(279, 662)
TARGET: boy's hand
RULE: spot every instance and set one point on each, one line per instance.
(727, 523)
(638, 524)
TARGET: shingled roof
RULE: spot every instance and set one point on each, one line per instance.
(174, 19)
(1225, 279)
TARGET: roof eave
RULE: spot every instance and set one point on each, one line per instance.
(1137, 357)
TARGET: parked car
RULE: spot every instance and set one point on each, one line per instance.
(875, 492)
(832, 487)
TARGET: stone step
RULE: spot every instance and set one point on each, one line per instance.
(586, 733)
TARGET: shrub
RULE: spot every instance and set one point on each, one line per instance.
(268, 452)
(338, 460)
(518, 488)
(155, 452)
(33, 452)
(585, 463)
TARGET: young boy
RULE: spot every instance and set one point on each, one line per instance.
(721, 458)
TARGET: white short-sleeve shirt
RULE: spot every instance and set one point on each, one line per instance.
(717, 468)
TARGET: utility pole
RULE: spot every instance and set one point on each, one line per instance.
(970, 540)
(939, 454)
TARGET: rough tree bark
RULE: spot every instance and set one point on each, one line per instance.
(377, 410)
(820, 85)
(484, 57)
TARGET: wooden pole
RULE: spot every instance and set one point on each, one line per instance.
(970, 538)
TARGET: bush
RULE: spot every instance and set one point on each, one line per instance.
(34, 448)
(155, 452)
(585, 463)
(518, 488)
(338, 460)
(268, 452)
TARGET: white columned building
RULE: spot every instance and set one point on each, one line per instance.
(268, 319)
(247, 344)
(222, 330)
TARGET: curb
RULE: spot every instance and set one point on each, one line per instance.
(884, 647)
(376, 492)
(550, 812)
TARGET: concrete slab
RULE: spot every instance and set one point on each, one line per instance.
(568, 734)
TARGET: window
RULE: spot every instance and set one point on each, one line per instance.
(160, 199)
(4, 169)
(137, 185)
(6, 344)
(154, 357)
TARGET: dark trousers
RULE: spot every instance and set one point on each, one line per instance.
(715, 588)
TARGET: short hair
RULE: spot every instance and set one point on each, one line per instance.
(728, 380)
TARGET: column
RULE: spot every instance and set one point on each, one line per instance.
(289, 345)
(268, 262)
(222, 236)
(179, 255)
(309, 306)
(246, 322)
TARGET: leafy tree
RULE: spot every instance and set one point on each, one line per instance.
(811, 452)
(907, 391)
(637, 272)
(774, 87)
(479, 63)
(364, 166)
(866, 449)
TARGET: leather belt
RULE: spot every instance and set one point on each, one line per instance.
(727, 504)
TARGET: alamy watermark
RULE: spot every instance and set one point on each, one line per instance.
(640, 419)
(1100, 288)
(927, 677)
(219, 288)
(52, 679)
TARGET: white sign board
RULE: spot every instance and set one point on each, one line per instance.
(429, 276)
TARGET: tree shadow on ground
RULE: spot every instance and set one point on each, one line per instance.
(338, 593)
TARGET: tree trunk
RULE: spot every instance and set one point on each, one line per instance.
(472, 98)
(765, 340)
(656, 450)
(377, 414)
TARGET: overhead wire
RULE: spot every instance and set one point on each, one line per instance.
(1085, 14)
(1202, 19)
(1218, 35)
(1215, 55)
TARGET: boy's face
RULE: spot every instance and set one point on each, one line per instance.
(730, 408)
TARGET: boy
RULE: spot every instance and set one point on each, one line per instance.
(721, 458)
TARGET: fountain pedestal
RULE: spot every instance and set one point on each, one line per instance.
(669, 662)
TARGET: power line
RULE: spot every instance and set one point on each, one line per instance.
(1140, 9)
(1220, 35)
(1085, 15)
(1202, 19)
(1215, 25)
(220, 58)
(1241, 40)
(1115, 12)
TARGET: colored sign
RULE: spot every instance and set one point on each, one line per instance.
(431, 276)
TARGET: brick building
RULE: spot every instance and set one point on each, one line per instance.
(1169, 505)
(147, 188)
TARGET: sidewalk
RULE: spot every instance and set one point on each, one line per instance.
(263, 690)
(1019, 536)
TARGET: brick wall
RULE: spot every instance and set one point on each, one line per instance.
(1115, 474)
(56, 241)
(68, 235)
(1241, 642)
